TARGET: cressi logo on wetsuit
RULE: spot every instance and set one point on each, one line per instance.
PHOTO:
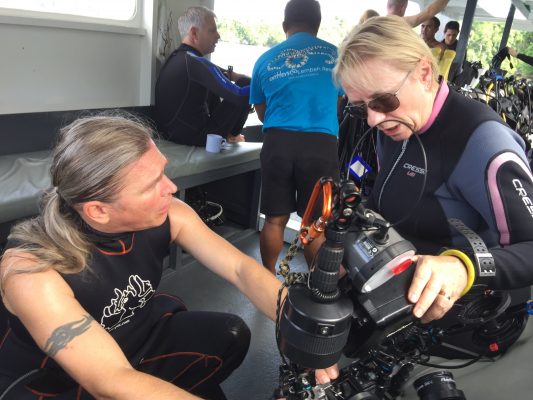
(524, 195)
(413, 170)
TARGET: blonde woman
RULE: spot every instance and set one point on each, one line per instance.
(442, 156)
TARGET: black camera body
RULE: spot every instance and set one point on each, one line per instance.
(379, 313)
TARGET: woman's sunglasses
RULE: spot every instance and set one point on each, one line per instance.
(384, 103)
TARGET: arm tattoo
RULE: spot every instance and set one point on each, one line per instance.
(62, 335)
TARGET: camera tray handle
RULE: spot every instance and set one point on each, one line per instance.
(310, 230)
(481, 257)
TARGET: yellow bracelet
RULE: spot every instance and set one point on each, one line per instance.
(467, 262)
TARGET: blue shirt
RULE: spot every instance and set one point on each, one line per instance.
(295, 81)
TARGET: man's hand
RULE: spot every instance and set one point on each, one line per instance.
(438, 282)
(512, 52)
(235, 139)
(235, 76)
(323, 376)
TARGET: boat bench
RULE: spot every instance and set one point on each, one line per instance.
(25, 175)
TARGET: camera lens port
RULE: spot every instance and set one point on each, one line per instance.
(438, 385)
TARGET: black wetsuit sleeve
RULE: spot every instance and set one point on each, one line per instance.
(208, 75)
(512, 201)
(502, 194)
(524, 58)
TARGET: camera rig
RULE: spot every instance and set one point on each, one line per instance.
(365, 313)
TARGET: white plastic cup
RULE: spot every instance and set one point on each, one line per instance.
(214, 143)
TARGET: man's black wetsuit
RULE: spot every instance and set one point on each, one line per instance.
(194, 350)
(476, 171)
(184, 92)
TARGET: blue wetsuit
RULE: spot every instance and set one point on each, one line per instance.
(187, 99)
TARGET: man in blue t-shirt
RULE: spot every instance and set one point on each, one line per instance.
(294, 95)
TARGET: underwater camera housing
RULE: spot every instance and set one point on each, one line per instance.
(317, 318)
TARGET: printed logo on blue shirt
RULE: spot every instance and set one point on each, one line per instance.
(290, 62)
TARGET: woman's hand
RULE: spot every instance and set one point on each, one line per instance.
(437, 283)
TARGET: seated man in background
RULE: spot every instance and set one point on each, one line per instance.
(295, 97)
(79, 280)
(398, 7)
(189, 88)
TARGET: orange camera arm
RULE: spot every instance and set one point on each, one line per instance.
(310, 230)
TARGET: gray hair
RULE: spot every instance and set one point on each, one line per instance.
(193, 17)
(88, 164)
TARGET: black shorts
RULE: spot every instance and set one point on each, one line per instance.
(291, 164)
(195, 350)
